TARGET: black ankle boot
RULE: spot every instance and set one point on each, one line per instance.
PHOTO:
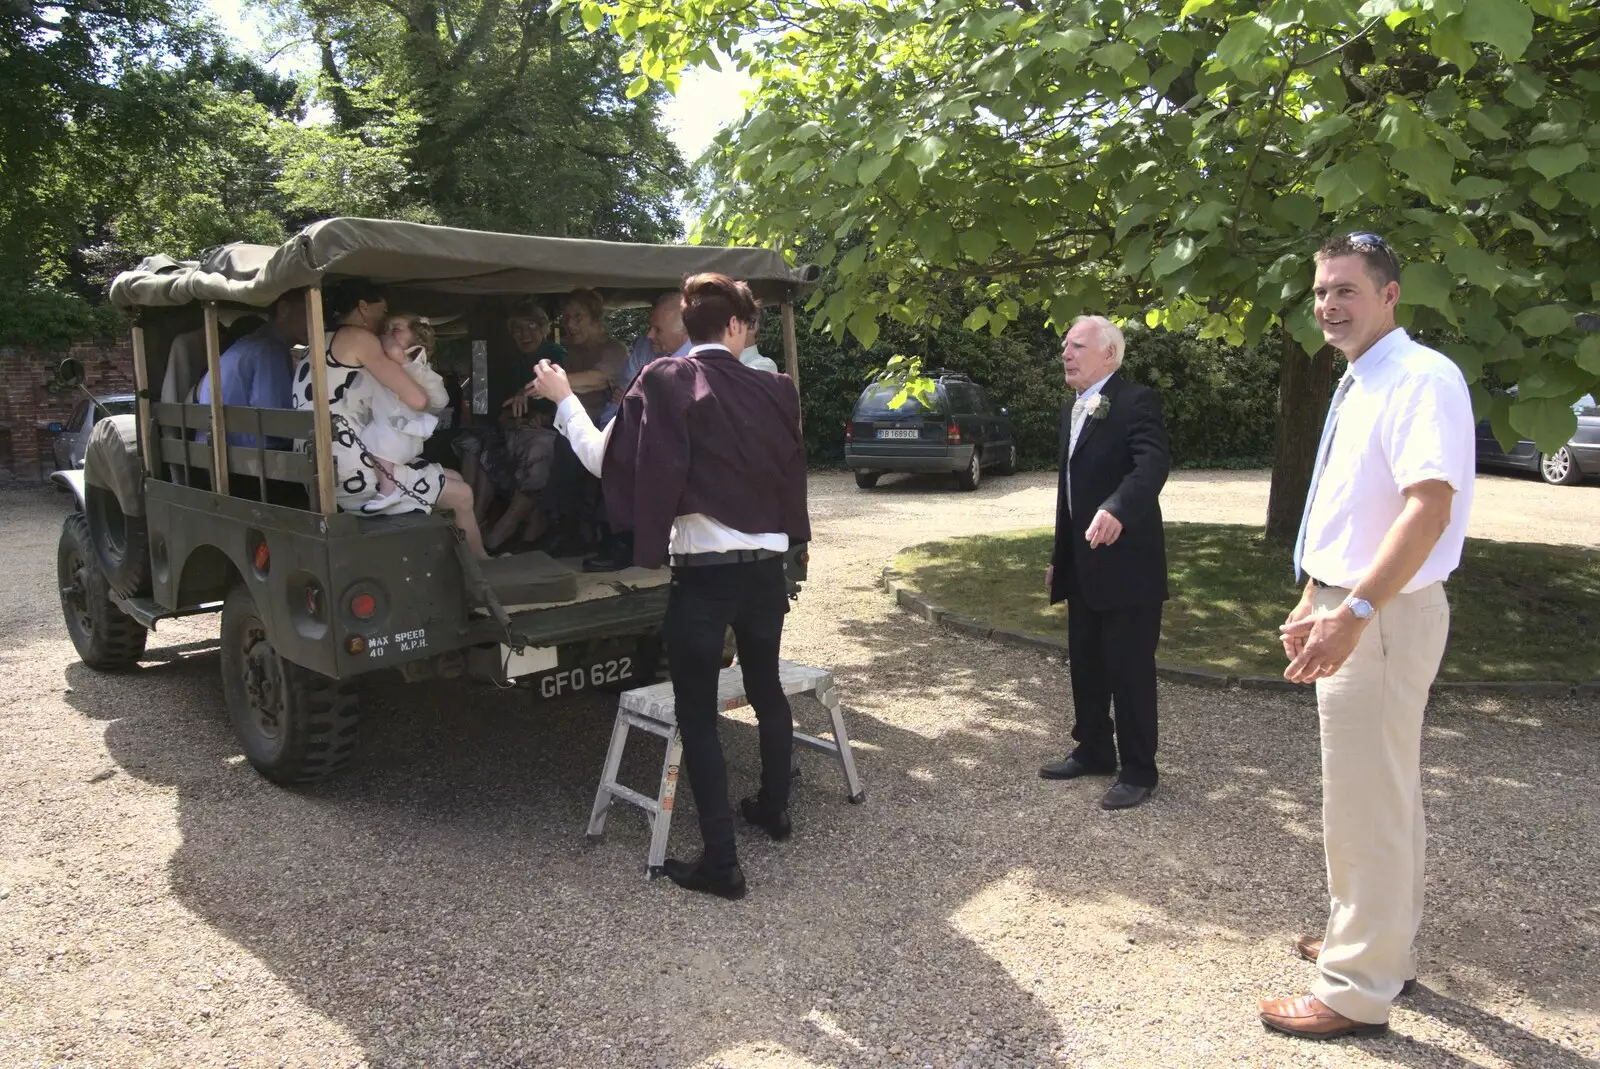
(694, 876)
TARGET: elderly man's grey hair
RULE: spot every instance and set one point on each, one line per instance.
(1110, 334)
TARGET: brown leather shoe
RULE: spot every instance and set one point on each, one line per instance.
(1310, 1018)
(1310, 948)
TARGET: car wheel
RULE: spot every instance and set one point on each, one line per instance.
(969, 479)
(1008, 466)
(295, 725)
(1559, 469)
(867, 479)
(104, 636)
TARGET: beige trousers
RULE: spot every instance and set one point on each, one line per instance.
(1372, 825)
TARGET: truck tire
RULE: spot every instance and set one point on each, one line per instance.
(866, 480)
(113, 498)
(105, 637)
(296, 726)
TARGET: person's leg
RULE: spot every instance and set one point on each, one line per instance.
(457, 497)
(511, 521)
(1130, 639)
(698, 611)
(758, 629)
(1371, 719)
(1091, 691)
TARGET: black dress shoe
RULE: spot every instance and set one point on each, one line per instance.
(775, 824)
(1125, 796)
(1072, 768)
(614, 559)
(694, 876)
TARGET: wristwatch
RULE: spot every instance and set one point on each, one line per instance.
(1361, 607)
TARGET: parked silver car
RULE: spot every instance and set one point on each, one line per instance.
(1570, 464)
(73, 440)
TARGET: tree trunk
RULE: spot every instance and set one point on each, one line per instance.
(1305, 387)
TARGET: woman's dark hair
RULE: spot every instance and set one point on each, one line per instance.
(343, 297)
(709, 301)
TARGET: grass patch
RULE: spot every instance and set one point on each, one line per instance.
(1517, 611)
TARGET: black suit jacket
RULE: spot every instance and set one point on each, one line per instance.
(1120, 465)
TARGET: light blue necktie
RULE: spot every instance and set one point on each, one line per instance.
(1323, 449)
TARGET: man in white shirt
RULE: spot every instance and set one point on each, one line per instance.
(751, 356)
(1385, 521)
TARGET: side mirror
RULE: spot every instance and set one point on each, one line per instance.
(69, 373)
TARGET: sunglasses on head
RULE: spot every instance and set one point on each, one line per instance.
(1366, 237)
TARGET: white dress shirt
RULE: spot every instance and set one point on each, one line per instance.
(752, 357)
(1077, 428)
(692, 533)
(1406, 419)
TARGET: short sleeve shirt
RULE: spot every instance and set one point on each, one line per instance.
(1406, 419)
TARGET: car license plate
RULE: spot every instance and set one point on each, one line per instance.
(907, 433)
(585, 677)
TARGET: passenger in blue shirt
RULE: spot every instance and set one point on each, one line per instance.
(666, 338)
(258, 369)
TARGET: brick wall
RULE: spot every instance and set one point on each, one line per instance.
(26, 407)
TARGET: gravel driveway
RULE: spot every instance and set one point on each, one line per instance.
(161, 904)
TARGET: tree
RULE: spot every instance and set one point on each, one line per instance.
(1177, 162)
(505, 116)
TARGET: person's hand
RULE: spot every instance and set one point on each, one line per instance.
(550, 382)
(1103, 530)
(1050, 578)
(1295, 641)
(518, 403)
(1328, 640)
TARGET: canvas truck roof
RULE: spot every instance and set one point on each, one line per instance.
(446, 261)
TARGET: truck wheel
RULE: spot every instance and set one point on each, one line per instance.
(114, 474)
(105, 636)
(296, 726)
(866, 480)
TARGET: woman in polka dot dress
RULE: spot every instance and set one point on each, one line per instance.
(357, 368)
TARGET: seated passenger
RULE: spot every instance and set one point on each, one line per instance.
(398, 432)
(258, 370)
(666, 337)
(594, 364)
(751, 357)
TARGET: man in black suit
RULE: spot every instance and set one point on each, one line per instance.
(1110, 562)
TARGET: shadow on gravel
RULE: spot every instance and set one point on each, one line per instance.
(439, 901)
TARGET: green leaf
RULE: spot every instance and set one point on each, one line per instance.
(1543, 320)
(1143, 27)
(1549, 421)
(1430, 286)
(1429, 167)
(1018, 230)
(1174, 257)
(1345, 184)
(1298, 211)
(1451, 47)
(1243, 46)
(638, 86)
(1585, 186)
(1485, 125)
(1478, 266)
(1192, 7)
(1474, 187)
(1553, 161)
(864, 325)
(925, 153)
(1546, 196)
(1132, 218)
(872, 169)
(593, 17)
(1403, 126)
(1118, 55)
(1505, 24)
(1588, 356)
(1326, 128)
(978, 244)
(976, 318)
(1206, 217)
(1302, 326)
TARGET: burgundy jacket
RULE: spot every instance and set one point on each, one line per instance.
(705, 434)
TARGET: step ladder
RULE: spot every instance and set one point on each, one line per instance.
(652, 709)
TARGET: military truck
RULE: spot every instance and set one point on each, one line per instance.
(172, 522)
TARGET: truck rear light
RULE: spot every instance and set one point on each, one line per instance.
(262, 558)
(954, 431)
(363, 606)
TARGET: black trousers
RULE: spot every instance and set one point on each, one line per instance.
(703, 602)
(571, 491)
(1113, 658)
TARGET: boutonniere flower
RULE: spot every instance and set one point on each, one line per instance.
(1099, 405)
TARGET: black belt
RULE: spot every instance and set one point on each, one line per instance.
(732, 556)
